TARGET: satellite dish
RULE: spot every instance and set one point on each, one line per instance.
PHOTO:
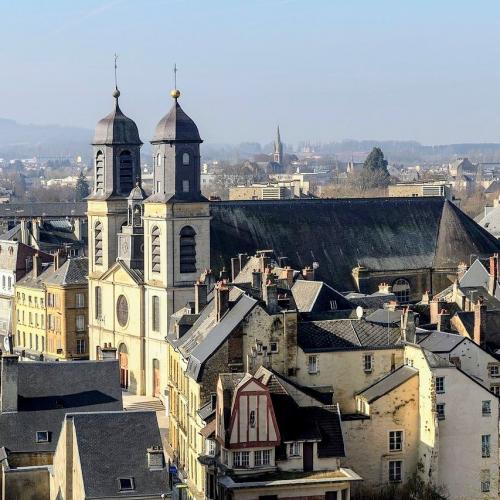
(359, 312)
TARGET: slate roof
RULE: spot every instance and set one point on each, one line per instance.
(207, 335)
(388, 383)
(49, 390)
(374, 301)
(116, 128)
(72, 272)
(384, 317)
(176, 126)
(39, 281)
(345, 334)
(49, 209)
(316, 295)
(441, 341)
(114, 445)
(476, 276)
(340, 234)
(436, 361)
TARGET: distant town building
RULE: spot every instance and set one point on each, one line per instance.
(417, 189)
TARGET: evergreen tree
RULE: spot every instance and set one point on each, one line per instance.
(82, 189)
(375, 173)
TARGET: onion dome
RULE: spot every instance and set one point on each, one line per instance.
(116, 128)
(176, 125)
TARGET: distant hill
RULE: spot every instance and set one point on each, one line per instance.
(21, 141)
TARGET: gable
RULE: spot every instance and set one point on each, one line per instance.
(119, 273)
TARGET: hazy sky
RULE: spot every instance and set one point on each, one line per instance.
(323, 69)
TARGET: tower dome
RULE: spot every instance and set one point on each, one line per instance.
(116, 128)
(176, 125)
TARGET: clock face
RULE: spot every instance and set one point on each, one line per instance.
(122, 310)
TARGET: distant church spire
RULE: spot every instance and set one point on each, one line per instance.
(278, 148)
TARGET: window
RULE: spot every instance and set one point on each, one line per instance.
(485, 446)
(495, 389)
(126, 172)
(98, 243)
(98, 302)
(486, 408)
(395, 471)
(312, 364)
(155, 250)
(155, 306)
(126, 483)
(99, 171)
(3, 282)
(440, 411)
(80, 300)
(187, 250)
(368, 363)
(80, 346)
(42, 436)
(185, 159)
(80, 323)
(294, 449)
(10, 282)
(210, 447)
(262, 457)
(122, 310)
(224, 456)
(273, 347)
(485, 481)
(333, 305)
(494, 371)
(185, 186)
(401, 289)
(395, 440)
(241, 459)
(440, 385)
(251, 419)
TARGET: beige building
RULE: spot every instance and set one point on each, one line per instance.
(418, 189)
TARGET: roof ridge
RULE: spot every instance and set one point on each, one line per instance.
(355, 332)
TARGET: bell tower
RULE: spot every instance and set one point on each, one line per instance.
(117, 166)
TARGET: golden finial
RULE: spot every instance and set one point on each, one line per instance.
(175, 93)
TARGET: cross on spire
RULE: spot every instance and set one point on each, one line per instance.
(116, 66)
(175, 76)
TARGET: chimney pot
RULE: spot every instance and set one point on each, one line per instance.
(200, 296)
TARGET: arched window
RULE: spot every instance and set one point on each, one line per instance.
(98, 243)
(401, 289)
(137, 215)
(99, 171)
(158, 160)
(187, 250)
(186, 159)
(126, 172)
(155, 313)
(155, 250)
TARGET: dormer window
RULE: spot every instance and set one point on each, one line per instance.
(186, 159)
(126, 483)
(42, 436)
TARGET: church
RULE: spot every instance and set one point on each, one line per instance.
(145, 252)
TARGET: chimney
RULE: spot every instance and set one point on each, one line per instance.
(443, 323)
(461, 270)
(107, 352)
(8, 383)
(308, 273)
(270, 296)
(479, 322)
(37, 266)
(200, 296)
(235, 267)
(156, 459)
(263, 260)
(224, 275)
(493, 277)
(435, 307)
(257, 280)
(287, 274)
(243, 258)
(384, 288)
(59, 259)
(282, 261)
(221, 299)
(426, 297)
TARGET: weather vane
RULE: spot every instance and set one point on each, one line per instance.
(116, 66)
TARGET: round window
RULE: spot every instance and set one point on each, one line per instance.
(122, 310)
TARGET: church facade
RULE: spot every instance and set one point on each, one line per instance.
(145, 252)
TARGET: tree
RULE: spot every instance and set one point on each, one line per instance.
(82, 189)
(374, 173)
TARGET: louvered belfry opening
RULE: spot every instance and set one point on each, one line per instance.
(99, 171)
(98, 243)
(155, 250)
(188, 250)
(126, 172)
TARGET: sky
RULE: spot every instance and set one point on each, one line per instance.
(324, 70)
